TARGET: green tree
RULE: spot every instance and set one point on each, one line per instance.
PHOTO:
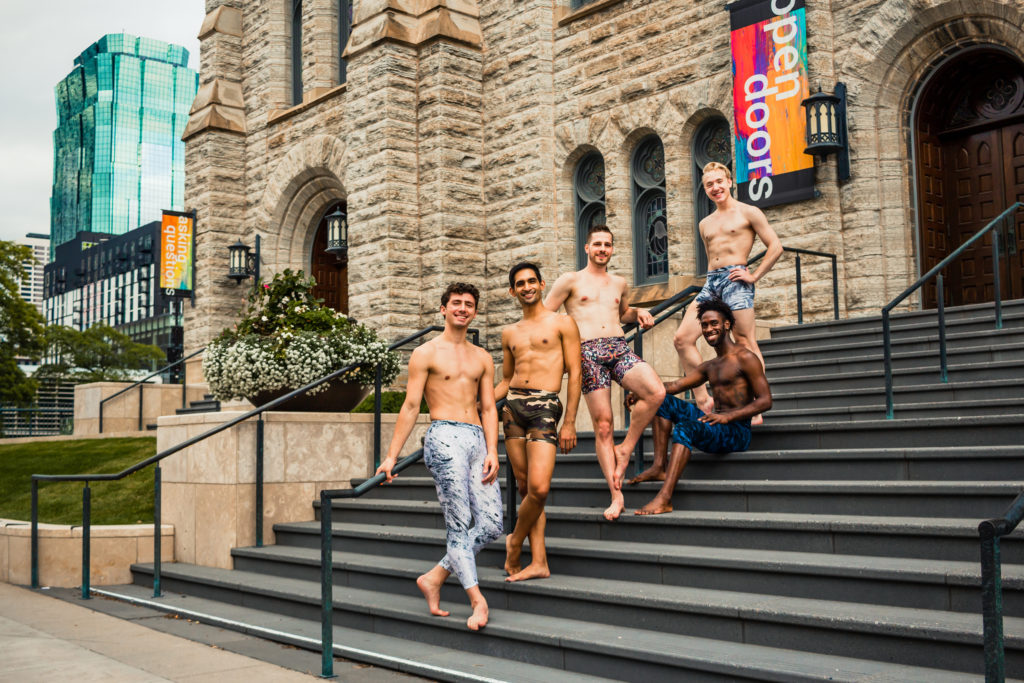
(97, 354)
(21, 327)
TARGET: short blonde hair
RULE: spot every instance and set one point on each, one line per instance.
(717, 166)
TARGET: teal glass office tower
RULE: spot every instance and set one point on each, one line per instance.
(118, 158)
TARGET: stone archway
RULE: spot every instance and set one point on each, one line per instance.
(969, 151)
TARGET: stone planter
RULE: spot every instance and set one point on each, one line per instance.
(340, 397)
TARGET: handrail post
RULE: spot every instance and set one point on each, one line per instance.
(259, 481)
(799, 294)
(991, 603)
(887, 350)
(101, 417)
(835, 289)
(326, 589)
(996, 287)
(35, 533)
(940, 292)
(638, 450)
(141, 389)
(86, 523)
(157, 530)
(378, 380)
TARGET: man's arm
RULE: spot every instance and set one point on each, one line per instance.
(419, 369)
(694, 379)
(560, 291)
(772, 243)
(752, 370)
(630, 314)
(508, 367)
(488, 417)
(572, 358)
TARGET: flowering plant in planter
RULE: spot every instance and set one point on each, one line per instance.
(287, 339)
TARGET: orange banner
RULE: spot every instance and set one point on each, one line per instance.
(176, 251)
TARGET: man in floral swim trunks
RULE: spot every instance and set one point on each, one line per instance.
(596, 300)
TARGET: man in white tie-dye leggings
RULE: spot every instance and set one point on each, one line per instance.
(461, 446)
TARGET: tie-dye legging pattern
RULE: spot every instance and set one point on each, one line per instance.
(454, 453)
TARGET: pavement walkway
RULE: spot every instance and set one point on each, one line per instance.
(53, 636)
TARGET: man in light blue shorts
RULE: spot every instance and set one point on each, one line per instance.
(740, 391)
(460, 449)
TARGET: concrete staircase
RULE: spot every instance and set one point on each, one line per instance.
(843, 546)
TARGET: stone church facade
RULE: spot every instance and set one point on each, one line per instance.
(461, 136)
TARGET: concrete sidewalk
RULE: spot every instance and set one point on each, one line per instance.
(56, 638)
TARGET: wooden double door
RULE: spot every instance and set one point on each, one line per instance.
(970, 169)
(331, 274)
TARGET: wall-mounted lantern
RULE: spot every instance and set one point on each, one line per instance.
(242, 262)
(337, 235)
(826, 128)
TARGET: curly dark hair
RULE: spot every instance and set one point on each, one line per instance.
(460, 288)
(520, 266)
(718, 306)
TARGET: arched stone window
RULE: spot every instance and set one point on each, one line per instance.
(650, 220)
(344, 30)
(588, 188)
(296, 51)
(711, 142)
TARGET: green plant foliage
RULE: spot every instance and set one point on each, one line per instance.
(128, 501)
(390, 402)
(21, 327)
(288, 339)
(97, 354)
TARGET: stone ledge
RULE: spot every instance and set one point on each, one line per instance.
(310, 98)
(415, 24)
(226, 20)
(584, 11)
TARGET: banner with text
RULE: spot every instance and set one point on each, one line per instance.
(176, 251)
(769, 70)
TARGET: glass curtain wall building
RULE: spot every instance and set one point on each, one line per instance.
(118, 155)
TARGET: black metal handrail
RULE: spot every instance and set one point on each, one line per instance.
(990, 531)
(145, 380)
(936, 272)
(799, 279)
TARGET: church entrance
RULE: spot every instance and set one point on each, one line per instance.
(331, 274)
(970, 167)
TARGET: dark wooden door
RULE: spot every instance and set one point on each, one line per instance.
(931, 191)
(331, 275)
(1013, 244)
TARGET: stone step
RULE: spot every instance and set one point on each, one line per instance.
(980, 500)
(874, 379)
(953, 539)
(905, 582)
(379, 649)
(783, 398)
(910, 320)
(633, 636)
(907, 410)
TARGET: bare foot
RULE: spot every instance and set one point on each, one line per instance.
(532, 571)
(479, 617)
(621, 463)
(655, 507)
(757, 420)
(432, 592)
(650, 474)
(512, 556)
(615, 509)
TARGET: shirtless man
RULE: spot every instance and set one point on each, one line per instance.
(460, 448)
(740, 391)
(537, 351)
(596, 300)
(728, 235)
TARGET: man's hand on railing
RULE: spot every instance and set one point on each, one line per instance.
(644, 318)
(386, 465)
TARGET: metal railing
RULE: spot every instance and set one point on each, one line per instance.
(37, 421)
(799, 279)
(990, 531)
(145, 380)
(936, 272)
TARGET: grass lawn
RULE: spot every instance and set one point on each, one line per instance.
(128, 501)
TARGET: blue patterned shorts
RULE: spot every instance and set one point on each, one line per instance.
(692, 433)
(737, 295)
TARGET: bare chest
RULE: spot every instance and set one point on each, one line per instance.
(533, 339)
(591, 295)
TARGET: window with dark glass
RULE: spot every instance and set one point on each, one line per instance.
(344, 30)
(650, 221)
(712, 142)
(588, 188)
(296, 51)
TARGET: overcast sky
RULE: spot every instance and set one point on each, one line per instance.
(38, 45)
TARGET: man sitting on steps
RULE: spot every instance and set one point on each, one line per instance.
(740, 391)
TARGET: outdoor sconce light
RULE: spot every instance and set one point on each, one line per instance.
(826, 127)
(242, 263)
(337, 235)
